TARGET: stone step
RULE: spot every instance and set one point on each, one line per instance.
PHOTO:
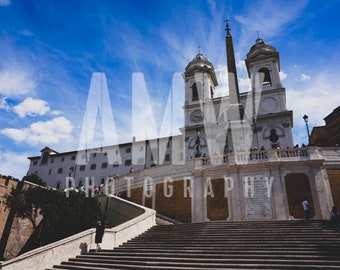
(213, 252)
(225, 237)
(225, 264)
(222, 245)
(206, 257)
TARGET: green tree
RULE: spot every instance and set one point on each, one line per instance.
(35, 179)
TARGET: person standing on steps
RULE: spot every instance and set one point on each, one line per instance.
(306, 208)
(335, 216)
(99, 234)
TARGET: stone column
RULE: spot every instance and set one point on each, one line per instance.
(321, 191)
(279, 195)
(235, 198)
(198, 202)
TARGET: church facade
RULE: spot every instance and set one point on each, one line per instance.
(235, 159)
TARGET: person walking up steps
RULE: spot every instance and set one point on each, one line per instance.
(306, 208)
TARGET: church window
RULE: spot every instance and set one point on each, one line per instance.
(265, 74)
(194, 92)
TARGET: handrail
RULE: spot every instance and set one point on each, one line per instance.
(49, 255)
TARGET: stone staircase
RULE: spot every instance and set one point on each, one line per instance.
(222, 245)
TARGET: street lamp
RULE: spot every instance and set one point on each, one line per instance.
(305, 118)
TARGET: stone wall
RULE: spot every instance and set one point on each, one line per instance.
(269, 186)
(21, 229)
(5, 188)
(334, 181)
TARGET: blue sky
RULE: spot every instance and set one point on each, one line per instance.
(49, 50)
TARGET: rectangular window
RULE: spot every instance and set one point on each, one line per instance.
(128, 150)
(73, 157)
(82, 168)
(128, 162)
(93, 167)
(49, 171)
(167, 157)
(60, 170)
(104, 165)
(62, 159)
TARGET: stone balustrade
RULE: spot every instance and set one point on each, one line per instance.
(272, 155)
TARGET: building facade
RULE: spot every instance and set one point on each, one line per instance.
(235, 159)
(329, 134)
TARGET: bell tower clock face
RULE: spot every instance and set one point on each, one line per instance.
(196, 116)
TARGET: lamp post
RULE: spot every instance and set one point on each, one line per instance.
(305, 118)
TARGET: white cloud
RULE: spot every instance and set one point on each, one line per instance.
(277, 13)
(304, 77)
(14, 164)
(33, 107)
(222, 77)
(312, 99)
(3, 104)
(244, 85)
(16, 82)
(283, 75)
(5, 3)
(241, 65)
(50, 132)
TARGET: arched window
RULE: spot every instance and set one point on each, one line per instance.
(194, 92)
(265, 77)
